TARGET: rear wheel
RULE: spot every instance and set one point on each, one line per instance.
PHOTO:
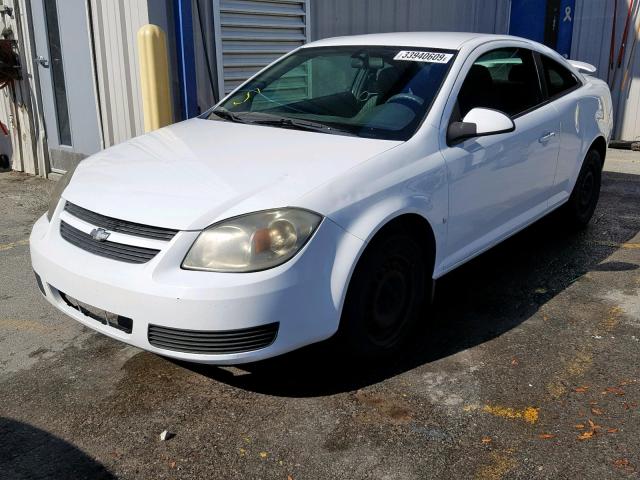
(586, 192)
(385, 297)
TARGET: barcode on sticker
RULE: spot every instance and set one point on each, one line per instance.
(417, 56)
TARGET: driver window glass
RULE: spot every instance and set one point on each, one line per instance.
(505, 79)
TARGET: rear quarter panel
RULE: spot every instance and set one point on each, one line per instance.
(585, 114)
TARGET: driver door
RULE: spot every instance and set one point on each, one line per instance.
(499, 183)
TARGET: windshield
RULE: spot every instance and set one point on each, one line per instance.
(374, 92)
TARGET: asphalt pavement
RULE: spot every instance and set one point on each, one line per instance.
(529, 367)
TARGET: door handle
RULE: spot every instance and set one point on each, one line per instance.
(42, 61)
(546, 137)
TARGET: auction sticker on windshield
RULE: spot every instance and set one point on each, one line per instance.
(417, 56)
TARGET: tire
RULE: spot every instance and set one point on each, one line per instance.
(584, 198)
(385, 298)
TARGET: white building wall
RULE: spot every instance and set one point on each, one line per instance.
(332, 18)
(116, 50)
(593, 21)
(116, 22)
(115, 25)
(19, 102)
(591, 43)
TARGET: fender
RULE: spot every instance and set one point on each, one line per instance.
(368, 225)
(417, 185)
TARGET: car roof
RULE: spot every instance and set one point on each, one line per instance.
(441, 40)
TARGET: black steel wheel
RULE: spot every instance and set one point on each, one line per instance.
(586, 192)
(386, 296)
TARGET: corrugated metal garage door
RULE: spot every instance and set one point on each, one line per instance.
(250, 34)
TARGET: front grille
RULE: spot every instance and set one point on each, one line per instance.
(120, 226)
(212, 342)
(116, 251)
(114, 320)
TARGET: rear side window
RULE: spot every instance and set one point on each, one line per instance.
(559, 79)
(504, 79)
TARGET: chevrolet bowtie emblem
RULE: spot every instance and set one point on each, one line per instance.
(100, 234)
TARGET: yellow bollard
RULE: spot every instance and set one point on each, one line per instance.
(154, 77)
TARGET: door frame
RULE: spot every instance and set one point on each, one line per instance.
(449, 263)
(85, 126)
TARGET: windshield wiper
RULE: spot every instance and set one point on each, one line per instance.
(297, 124)
(227, 115)
(284, 122)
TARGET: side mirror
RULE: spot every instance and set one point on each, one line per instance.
(479, 122)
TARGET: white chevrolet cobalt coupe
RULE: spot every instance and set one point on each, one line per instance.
(323, 196)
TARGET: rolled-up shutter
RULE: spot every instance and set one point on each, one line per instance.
(250, 34)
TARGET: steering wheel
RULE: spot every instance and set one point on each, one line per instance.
(409, 99)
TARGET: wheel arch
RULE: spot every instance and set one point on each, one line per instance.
(409, 218)
(418, 226)
(600, 145)
(404, 220)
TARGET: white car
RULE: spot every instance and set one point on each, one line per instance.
(323, 196)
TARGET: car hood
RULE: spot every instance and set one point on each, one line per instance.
(191, 174)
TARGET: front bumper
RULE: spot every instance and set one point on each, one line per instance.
(304, 296)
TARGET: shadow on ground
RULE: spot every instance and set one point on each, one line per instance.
(27, 452)
(479, 301)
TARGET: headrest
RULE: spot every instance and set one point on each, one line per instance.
(479, 76)
(387, 78)
(374, 63)
(517, 73)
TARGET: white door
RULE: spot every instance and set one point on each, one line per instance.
(67, 87)
(499, 183)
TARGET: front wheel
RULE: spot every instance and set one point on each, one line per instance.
(385, 298)
(586, 192)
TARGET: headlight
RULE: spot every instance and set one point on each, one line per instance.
(57, 191)
(252, 242)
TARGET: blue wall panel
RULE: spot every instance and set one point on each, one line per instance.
(528, 19)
